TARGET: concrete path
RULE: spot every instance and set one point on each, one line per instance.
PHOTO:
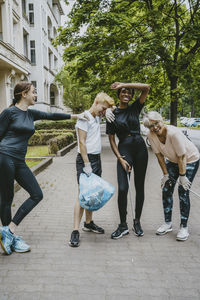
(131, 268)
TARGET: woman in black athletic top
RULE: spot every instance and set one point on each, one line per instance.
(131, 151)
(16, 127)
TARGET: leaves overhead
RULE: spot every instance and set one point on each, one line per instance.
(154, 41)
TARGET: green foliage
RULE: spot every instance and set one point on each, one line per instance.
(75, 97)
(43, 137)
(65, 124)
(130, 40)
(60, 142)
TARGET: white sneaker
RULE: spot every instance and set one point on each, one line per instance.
(163, 229)
(183, 234)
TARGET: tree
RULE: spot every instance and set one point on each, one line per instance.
(75, 97)
(148, 40)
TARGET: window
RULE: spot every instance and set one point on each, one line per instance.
(55, 63)
(31, 14)
(33, 56)
(15, 34)
(34, 83)
(24, 7)
(25, 34)
(1, 29)
(12, 84)
(50, 60)
(52, 98)
(45, 56)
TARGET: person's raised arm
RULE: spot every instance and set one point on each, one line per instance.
(121, 158)
(143, 87)
(82, 135)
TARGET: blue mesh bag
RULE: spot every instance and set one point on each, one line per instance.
(94, 191)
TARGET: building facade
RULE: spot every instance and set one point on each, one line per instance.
(27, 28)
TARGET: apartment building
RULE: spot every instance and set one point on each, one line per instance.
(27, 28)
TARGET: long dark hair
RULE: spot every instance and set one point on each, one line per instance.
(20, 87)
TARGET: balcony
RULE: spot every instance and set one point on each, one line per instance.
(10, 58)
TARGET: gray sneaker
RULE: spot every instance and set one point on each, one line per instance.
(20, 245)
(6, 239)
(165, 228)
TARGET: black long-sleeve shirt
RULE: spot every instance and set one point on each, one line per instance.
(17, 126)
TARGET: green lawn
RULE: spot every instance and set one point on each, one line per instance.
(31, 163)
(36, 151)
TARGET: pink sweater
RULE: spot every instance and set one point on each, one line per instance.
(176, 144)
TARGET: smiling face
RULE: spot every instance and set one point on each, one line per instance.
(30, 96)
(125, 95)
(156, 126)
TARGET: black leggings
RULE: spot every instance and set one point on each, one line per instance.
(11, 169)
(135, 152)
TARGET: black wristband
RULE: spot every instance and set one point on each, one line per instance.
(182, 174)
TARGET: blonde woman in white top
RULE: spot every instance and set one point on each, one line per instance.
(179, 160)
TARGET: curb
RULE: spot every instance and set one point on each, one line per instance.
(66, 149)
(36, 170)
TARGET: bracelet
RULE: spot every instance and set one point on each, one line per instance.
(182, 174)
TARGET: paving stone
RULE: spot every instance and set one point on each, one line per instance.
(146, 268)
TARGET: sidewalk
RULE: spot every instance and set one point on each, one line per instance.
(131, 268)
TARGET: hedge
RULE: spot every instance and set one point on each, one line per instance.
(60, 142)
(65, 124)
(42, 138)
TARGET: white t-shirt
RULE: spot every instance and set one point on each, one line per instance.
(176, 144)
(93, 139)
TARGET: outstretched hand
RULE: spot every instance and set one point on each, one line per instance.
(83, 117)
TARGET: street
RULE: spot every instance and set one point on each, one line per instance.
(147, 268)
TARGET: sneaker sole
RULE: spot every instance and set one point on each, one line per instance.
(91, 230)
(121, 235)
(74, 245)
(137, 234)
(182, 239)
(22, 251)
(2, 246)
(162, 233)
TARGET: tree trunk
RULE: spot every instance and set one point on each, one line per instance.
(192, 105)
(174, 101)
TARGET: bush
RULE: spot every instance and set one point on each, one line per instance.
(65, 124)
(60, 142)
(35, 139)
(42, 137)
(58, 131)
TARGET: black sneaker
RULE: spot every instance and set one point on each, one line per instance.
(74, 241)
(92, 227)
(137, 228)
(121, 230)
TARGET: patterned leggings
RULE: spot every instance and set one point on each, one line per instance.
(167, 192)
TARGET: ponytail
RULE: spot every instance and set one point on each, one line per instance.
(14, 101)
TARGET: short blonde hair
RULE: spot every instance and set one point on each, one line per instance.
(151, 116)
(103, 97)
